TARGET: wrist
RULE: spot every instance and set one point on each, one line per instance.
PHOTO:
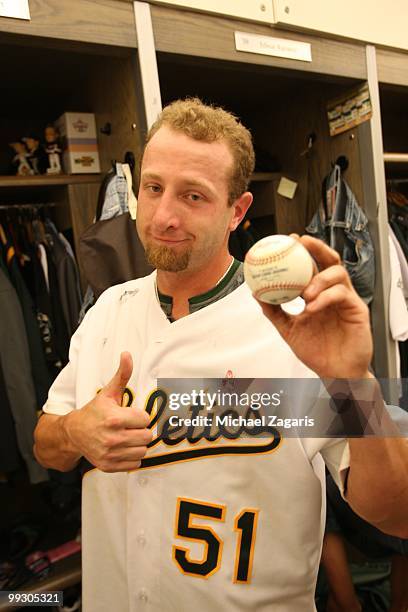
(68, 429)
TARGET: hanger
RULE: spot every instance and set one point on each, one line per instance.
(130, 160)
(343, 162)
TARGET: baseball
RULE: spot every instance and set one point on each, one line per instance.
(277, 269)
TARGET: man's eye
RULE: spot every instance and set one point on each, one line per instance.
(195, 197)
(153, 188)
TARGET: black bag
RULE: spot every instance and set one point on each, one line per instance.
(111, 253)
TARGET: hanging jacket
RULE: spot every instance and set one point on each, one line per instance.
(341, 223)
(40, 374)
(16, 368)
(68, 277)
(398, 219)
(111, 250)
(9, 455)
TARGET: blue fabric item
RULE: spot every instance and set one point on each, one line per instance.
(116, 196)
(342, 224)
(87, 302)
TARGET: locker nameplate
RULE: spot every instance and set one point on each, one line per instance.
(18, 9)
(269, 45)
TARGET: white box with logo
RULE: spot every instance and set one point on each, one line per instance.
(79, 143)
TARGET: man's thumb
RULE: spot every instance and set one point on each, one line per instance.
(117, 384)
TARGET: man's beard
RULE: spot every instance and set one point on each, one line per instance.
(164, 258)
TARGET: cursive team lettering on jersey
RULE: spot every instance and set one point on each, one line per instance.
(223, 432)
(198, 435)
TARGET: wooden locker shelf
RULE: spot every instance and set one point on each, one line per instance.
(264, 176)
(396, 166)
(396, 158)
(44, 180)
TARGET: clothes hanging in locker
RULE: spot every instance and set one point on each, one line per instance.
(67, 276)
(9, 455)
(398, 312)
(38, 278)
(111, 251)
(402, 262)
(398, 219)
(342, 224)
(45, 272)
(398, 224)
(397, 305)
(41, 376)
(16, 367)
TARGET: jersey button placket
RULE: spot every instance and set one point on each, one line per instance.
(145, 493)
(141, 538)
(142, 481)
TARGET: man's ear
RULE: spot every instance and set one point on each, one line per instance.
(240, 207)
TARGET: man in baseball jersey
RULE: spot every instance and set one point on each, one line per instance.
(196, 518)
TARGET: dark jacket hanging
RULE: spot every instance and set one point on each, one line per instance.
(41, 376)
(15, 361)
(9, 457)
(67, 276)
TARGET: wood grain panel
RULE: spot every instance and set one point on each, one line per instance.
(36, 44)
(45, 180)
(111, 94)
(283, 131)
(109, 22)
(281, 108)
(264, 198)
(392, 67)
(194, 34)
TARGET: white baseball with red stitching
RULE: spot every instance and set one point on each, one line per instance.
(277, 269)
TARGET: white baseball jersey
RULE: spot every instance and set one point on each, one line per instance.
(200, 526)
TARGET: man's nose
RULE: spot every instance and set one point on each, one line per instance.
(166, 214)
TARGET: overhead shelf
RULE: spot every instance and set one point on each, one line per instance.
(264, 176)
(396, 167)
(45, 180)
(396, 158)
(42, 180)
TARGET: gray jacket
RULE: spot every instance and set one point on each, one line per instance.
(15, 363)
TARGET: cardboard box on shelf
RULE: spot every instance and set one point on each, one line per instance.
(80, 146)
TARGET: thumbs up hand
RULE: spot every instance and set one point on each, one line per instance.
(110, 437)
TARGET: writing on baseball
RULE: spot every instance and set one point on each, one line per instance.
(277, 269)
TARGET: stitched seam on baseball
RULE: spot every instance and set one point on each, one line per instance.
(279, 286)
(259, 261)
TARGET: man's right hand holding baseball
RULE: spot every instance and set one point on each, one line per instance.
(112, 438)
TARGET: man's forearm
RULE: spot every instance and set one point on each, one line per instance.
(52, 445)
(377, 485)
